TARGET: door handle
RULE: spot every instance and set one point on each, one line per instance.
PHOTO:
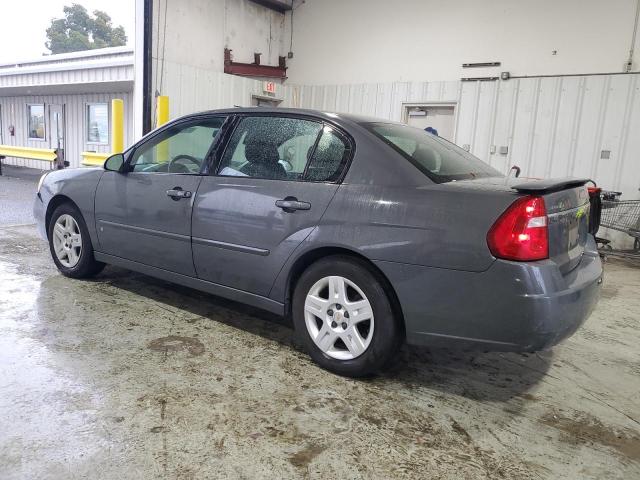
(291, 204)
(176, 193)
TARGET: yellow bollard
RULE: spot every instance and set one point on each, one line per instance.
(162, 117)
(162, 110)
(117, 125)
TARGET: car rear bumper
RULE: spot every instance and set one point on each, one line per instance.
(512, 306)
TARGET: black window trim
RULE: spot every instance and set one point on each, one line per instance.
(219, 154)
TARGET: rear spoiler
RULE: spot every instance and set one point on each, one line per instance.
(549, 185)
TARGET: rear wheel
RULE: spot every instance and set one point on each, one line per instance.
(344, 317)
(70, 243)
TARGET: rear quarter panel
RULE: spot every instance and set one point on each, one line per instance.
(431, 225)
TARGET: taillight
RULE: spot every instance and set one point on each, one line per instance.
(521, 232)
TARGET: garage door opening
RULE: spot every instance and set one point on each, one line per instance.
(439, 117)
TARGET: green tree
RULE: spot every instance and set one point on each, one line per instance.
(78, 30)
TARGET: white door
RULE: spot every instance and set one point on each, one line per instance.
(440, 118)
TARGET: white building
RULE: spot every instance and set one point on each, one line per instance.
(64, 101)
(570, 104)
(549, 86)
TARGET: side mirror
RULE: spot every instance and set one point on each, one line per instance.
(114, 163)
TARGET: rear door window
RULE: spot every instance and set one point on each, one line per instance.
(329, 158)
(285, 148)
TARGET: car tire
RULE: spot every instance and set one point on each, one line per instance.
(70, 243)
(334, 328)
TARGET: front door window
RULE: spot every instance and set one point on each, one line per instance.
(181, 148)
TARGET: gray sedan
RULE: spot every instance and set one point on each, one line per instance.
(367, 233)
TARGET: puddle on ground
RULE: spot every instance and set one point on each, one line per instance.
(585, 429)
(174, 343)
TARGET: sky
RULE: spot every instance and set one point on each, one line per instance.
(24, 23)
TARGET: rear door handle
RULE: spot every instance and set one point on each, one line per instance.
(291, 204)
(176, 193)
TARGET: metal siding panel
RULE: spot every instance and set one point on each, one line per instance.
(524, 123)
(467, 111)
(503, 122)
(75, 124)
(613, 129)
(355, 98)
(588, 136)
(329, 103)
(567, 121)
(540, 147)
(399, 96)
(384, 92)
(342, 98)
(485, 117)
(628, 176)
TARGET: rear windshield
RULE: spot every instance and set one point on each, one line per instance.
(440, 160)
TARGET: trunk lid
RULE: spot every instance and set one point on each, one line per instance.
(567, 204)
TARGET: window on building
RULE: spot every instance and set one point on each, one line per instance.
(98, 123)
(35, 119)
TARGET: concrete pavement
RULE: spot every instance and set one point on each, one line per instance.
(17, 191)
(130, 377)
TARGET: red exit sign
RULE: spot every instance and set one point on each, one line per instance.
(269, 87)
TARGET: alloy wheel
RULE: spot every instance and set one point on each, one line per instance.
(339, 317)
(67, 240)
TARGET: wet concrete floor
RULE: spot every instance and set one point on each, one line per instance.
(130, 377)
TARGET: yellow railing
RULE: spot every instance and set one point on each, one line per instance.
(94, 159)
(46, 154)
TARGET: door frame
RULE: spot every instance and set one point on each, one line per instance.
(53, 142)
(255, 100)
(406, 106)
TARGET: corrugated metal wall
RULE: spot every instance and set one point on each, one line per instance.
(13, 111)
(553, 127)
(68, 76)
(192, 89)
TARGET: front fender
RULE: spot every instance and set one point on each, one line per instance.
(77, 185)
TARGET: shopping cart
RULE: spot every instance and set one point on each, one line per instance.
(621, 215)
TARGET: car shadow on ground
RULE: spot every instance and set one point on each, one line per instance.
(476, 375)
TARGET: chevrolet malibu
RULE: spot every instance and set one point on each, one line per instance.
(367, 233)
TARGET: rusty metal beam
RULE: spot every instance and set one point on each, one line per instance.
(255, 69)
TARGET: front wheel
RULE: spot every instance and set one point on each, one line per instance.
(344, 317)
(70, 243)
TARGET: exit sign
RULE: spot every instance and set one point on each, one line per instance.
(269, 87)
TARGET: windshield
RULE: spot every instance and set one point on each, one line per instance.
(440, 160)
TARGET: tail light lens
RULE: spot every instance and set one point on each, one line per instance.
(593, 191)
(521, 232)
